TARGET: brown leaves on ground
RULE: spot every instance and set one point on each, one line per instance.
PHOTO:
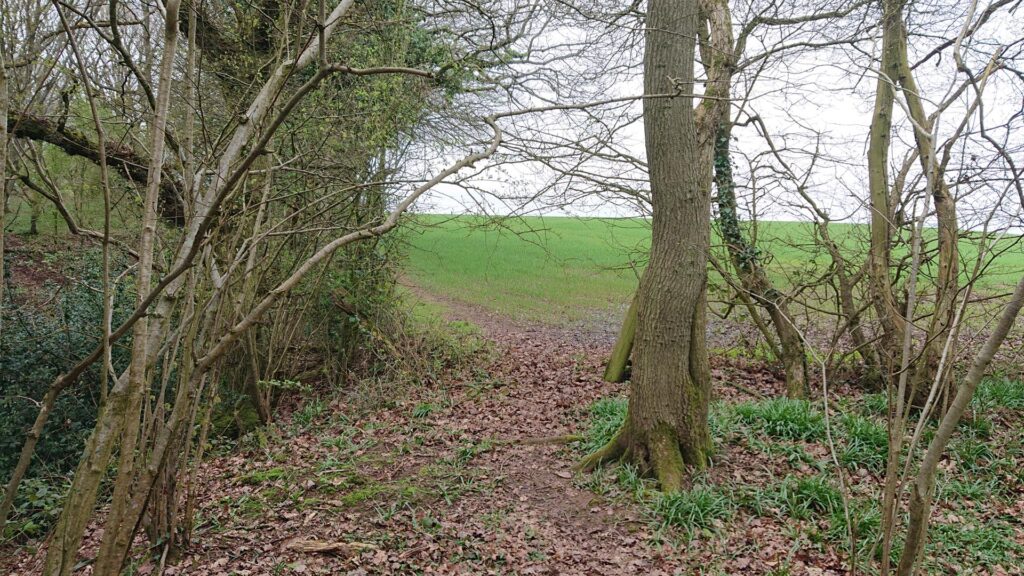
(449, 481)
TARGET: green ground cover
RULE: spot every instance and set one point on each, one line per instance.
(564, 269)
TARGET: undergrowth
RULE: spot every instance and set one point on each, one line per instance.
(807, 502)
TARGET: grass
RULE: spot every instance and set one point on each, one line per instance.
(533, 268)
(972, 528)
(697, 509)
(783, 418)
(999, 393)
(606, 417)
(866, 443)
(560, 269)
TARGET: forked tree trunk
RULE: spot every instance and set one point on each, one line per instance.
(118, 420)
(752, 275)
(666, 425)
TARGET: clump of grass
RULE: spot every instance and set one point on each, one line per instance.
(606, 417)
(867, 443)
(876, 404)
(310, 411)
(971, 452)
(999, 393)
(695, 510)
(783, 418)
(970, 488)
(802, 496)
(866, 520)
(977, 425)
(423, 409)
(257, 477)
(723, 421)
(630, 477)
(977, 544)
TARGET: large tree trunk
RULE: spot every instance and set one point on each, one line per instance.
(752, 275)
(666, 425)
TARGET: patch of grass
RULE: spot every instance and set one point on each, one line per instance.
(977, 424)
(423, 410)
(972, 453)
(783, 418)
(793, 453)
(695, 510)
(630, 478)
(973, 544)
(866, 520)
(876, 404)
(344, 442)
(804, 496)
(866, 443)
(258, 477)
(723, 421)
(467, 452)
(547, 269)
(999, 393)
(555, 269)
(400, 492)
(311, 409)
(960, 489)
(606, 417)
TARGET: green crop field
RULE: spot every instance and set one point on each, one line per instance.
(564, 269)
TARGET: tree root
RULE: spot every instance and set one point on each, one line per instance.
(564, 439)
(615, 449)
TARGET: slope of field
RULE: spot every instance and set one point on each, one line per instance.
(559, 269)
(529, 268)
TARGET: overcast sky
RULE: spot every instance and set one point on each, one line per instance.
(821, 99)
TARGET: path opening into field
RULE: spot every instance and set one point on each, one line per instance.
(474, 475)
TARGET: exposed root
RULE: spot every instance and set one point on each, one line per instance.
(612, 451)
(337, 548)
(565, 439)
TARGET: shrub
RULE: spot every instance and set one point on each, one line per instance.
(36, 347)
(35, 509)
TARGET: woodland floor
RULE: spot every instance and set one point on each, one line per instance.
(447, 481)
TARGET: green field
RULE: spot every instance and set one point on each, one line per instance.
(565, 269)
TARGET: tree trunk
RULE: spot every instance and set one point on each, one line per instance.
(752, 276)
(926, 369)
(118, 421)
(666, 425)
(618, 364)
(882, 215)
(923, 488)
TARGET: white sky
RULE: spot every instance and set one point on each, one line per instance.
(828, 94)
